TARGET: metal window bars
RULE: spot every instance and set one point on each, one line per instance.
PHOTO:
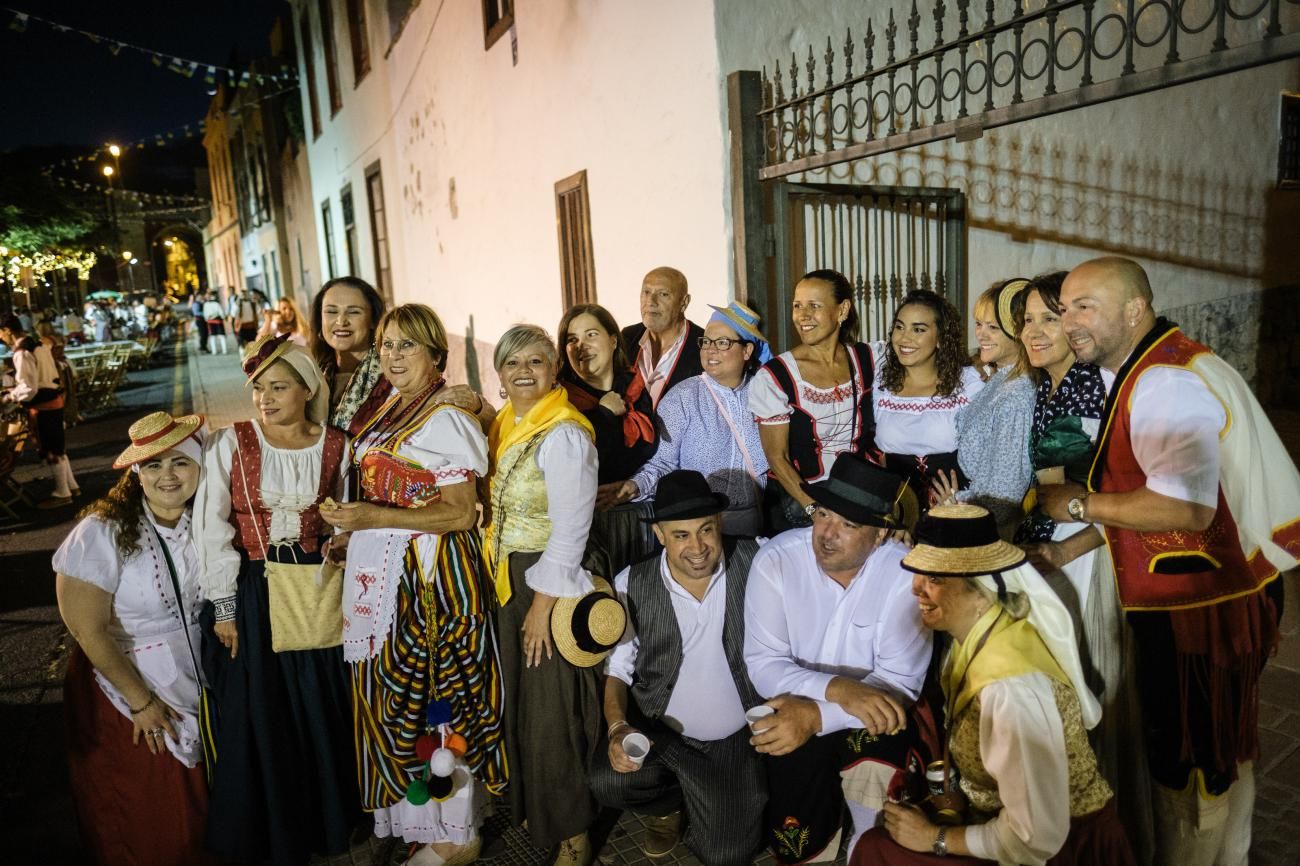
(959, 69)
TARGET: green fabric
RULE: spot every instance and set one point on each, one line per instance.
(1064, 443)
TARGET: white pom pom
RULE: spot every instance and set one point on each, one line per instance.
(442, 762)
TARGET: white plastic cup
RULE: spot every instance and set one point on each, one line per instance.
(636, 747)
(753, 714)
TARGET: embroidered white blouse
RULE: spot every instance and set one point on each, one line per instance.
(146, 622)
(919, 425)
(832, 409)
(290, 479)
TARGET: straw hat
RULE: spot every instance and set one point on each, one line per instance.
(585, 629)
(1002, 307)
(960, 541)
(745, 323)
(262, 353)
(155, 434)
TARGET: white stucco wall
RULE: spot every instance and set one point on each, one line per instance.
(626, 91)
(1181, 180)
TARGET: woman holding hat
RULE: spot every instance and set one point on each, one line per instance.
(418, 637)
(284, 782)
(993, 430)
(543, 491)
(813, 402)
(602, 384)
(1017, 714)
(128, 588)
(707, 425)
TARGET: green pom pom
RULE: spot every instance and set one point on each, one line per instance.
(417, 793)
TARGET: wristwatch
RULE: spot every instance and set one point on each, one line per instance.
(1077, 507)
(940, 846)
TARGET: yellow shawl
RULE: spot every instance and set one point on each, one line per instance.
(508, 431)
(1013, 649)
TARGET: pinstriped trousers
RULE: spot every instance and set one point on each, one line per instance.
(718, 783)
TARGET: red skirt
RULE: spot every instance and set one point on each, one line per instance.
(1096, 839)
(134, 808)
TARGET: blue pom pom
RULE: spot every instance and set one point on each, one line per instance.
(438, 713)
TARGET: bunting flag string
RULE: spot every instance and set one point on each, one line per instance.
(184, 66)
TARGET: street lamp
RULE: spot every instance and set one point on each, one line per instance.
(112, 212)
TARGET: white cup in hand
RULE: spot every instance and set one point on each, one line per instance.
(753, 714)
(636, 747)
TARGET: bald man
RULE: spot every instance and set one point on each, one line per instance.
(1198, 501)
(665, 343)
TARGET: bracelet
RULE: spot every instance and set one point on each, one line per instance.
(145, 705)
(622, 723)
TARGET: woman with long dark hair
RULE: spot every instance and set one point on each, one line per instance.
(813, 402)
(922, 383)
(602, 384)
(128, 588)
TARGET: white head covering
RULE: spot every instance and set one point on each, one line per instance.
(1050, 618)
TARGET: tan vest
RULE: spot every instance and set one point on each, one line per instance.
(519, 502)
(1088, 790)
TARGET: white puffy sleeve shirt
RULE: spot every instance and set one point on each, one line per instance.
(1175, 425)
(567, 458)
(1022, 746)
(290, 478)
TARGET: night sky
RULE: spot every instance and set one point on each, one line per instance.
(62, 89)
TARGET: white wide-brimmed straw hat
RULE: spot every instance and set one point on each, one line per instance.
(157, 433)
(586, 628)
(960, 541)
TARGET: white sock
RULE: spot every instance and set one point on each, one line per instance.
(1241, 808)
(61, 490)
(67, 474)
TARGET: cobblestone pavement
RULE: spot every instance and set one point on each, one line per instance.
(36, 805)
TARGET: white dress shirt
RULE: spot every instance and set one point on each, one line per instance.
(802, 629)
(656, 375)
(1174, 425)
(704, 704)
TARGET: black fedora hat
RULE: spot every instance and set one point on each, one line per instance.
(684, 494)
(862, 492)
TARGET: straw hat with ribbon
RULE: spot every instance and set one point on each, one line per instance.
(745, 323)
(1002, 306)
(157, 433)
(586, 628)
(262, 353)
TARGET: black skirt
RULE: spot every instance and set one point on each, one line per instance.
(284, 781)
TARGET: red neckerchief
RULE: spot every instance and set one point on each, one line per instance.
(637, 426)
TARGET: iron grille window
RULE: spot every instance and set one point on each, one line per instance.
(1288, 157)
(360, 40)
(328, 222)
(498, 16)
(309, 68)
(331, 62)
(379, 232)
(573, 224)
(349, 229)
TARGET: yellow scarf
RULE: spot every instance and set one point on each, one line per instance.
(1013, 648)
(508, 431)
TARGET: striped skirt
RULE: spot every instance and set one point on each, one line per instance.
(441, 647)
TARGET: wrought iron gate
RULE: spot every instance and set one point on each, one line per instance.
(886, 240)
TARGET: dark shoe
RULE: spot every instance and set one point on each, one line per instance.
(54, 502)
(661, 835)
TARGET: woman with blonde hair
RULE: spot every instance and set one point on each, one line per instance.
(127, 578)
(285, 319)
(426, 683)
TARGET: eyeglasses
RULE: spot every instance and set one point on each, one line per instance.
(405, 347)
(722, 344)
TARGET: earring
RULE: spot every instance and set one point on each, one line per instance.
(502, 392)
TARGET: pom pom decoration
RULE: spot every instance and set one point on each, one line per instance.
(438, 713)
(443, 763)
(424, 746)
(457, 744)
(440, 787)
(417, 793)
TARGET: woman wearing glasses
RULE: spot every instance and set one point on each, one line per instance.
(706, 424)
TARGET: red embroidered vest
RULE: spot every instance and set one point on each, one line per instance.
(1166, 570)
(246, 505)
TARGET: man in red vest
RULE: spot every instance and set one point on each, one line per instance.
(1198, 501)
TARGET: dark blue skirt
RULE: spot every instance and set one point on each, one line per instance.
(284, 780)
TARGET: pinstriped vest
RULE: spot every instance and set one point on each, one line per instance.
(659, 657)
